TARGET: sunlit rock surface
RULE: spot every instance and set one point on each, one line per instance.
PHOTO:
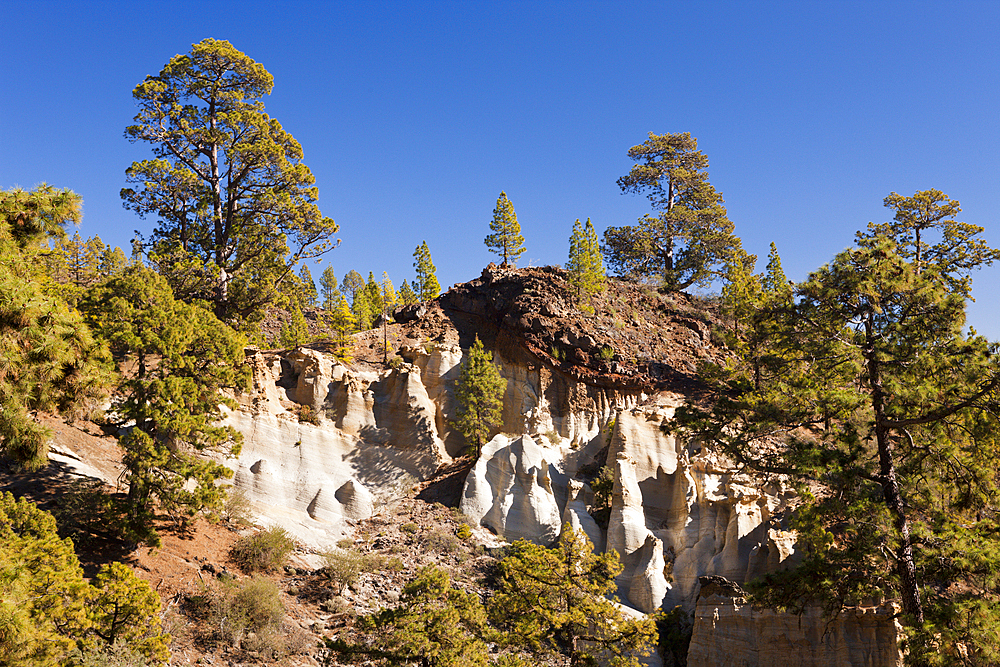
(374, 433)
(730, 633)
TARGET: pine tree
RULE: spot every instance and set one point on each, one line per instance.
(407, 294)
(506, 239)
(48, 358)
(183, 356)
(387, 301)
(752, 301)
(234, 202)
(308, 296)
(874, 395)
(426, 285)
(328, 289)
(387, 294)
(55, 261)
(295, 331)
(554, 602)
(42, 591)
(691, 236)
(363, 304)
(479, 393)
(47, 608)
(125, 609)
(585, 266)
(112, 262)
(353, 283)
(741, 292)
(774, 282)
(434, 625)
(341, 319)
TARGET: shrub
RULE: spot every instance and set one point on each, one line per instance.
(342, 568)
(237, 508)
(464, 532)
(441, 541)
(264, 550)
(675, 630)
(606, 353)
(306, 414)
(251, 605)
(603, 485)
(409, 527)
(337, 605)
(553, 437)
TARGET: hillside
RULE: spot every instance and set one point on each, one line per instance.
(360, 459)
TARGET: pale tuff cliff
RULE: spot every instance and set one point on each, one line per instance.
(728, 632)
(582, 392)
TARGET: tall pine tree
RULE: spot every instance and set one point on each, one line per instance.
(479, 393)
(48, 358)
(308, 294)
(180, 357)
(328, 290)
(585, 266)
(506, 239)
(426, 285)
(554, 602)
(874, 399)
(407, 295)
(691, 236)
(341, 320)
(353, 283)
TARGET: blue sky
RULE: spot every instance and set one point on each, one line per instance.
(415, 115)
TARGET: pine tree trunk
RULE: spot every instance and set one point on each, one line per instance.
(905, 567)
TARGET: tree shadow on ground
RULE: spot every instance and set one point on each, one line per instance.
(51, 488)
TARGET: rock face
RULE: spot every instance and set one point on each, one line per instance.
(708, 520)
(677, 512)
(375, 435)
(730, 633)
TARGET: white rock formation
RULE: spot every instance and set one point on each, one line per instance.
(677, 511)
(578, 517)
(689, 500)
(376, 433)
(510, 490)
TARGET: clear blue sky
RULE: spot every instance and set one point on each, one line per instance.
(415, 115)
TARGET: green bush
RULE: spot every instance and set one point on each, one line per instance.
(342, 568)
(674, 629)
(464, 532)
(264, 550)
(306, 414)
(251, 605)
(409, 527)
(237, 508)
